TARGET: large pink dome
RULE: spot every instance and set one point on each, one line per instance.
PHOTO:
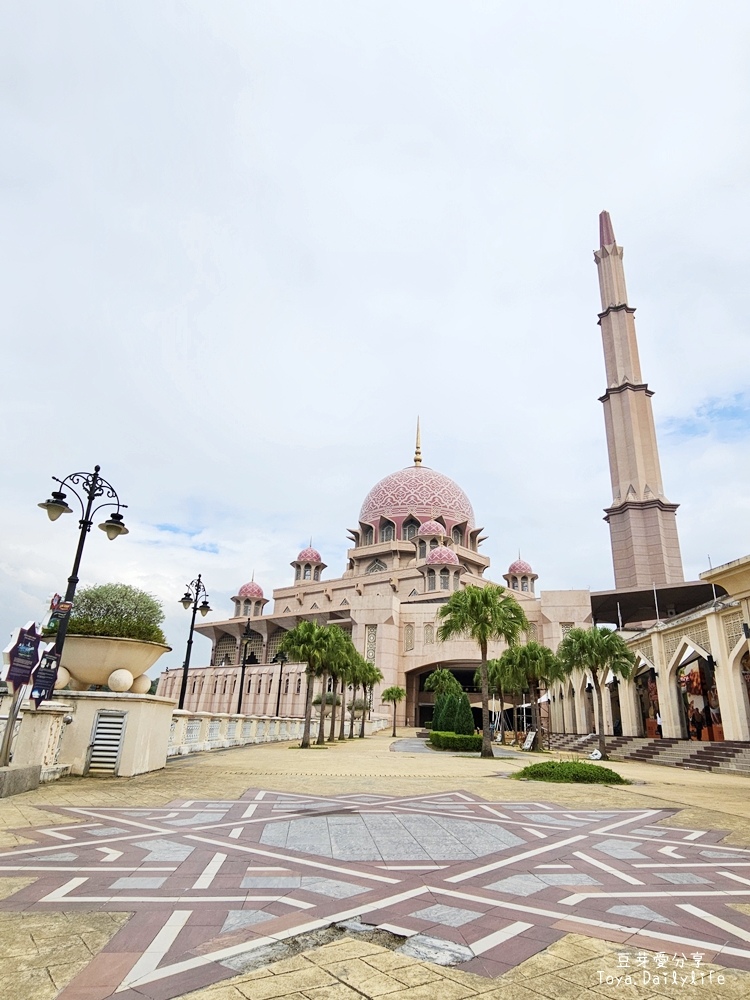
(250, 590)
(309, 555)
(420, 491)
(442, 556)
(519, 568)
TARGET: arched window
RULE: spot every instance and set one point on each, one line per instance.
(409, 530)
(299, 684)
(514, 582)
(307, 572)
(297, 573)
(368, 536)
(430, 579)
(376, 566)
(445, 578)
(246, 608)
(387, 533)
(237, 609)
(286, 686)
(524, 583)
(422, 549)
(258, 608)
(458, 536)
(316, 574)
(456, 580)
(434, 543)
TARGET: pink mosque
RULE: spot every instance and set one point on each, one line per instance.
(417, 540)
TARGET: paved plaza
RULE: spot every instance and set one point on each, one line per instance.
(357, 871)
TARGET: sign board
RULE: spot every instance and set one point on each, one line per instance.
(45, 677)
(58, 612)
(528, 743)
(22, 655)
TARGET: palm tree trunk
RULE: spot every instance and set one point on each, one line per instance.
(364, 713)
(308, 711)
(502, 716)
(515, 716)
(600, 710)
(352, 712)
(342, 725)
(323, 698)
(394, 719)
(334, 692)
(486, 741)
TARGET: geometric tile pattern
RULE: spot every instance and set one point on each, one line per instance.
(211, 883)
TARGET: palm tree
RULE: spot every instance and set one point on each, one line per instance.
(371, 676)
(538, 665)
(358, 670)
(395, 695)
(596, 651)
(442, 681)
(307, 643)
(505, 677)
(483, 614)
(335, 649)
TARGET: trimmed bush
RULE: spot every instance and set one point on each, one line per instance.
(463, 724)
(118, 611)
(445, 721)
(572, 771)
(456, 742)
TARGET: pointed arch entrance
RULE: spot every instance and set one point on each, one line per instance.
(698, 698)
(647, 694)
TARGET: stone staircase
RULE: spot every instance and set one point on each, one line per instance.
(727, 757)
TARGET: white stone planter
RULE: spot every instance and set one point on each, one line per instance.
(118, 663)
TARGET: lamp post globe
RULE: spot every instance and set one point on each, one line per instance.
(194, 592)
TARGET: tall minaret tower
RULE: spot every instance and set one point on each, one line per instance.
(642, 523)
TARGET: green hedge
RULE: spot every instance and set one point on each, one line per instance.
(572, 771)
(451, 741)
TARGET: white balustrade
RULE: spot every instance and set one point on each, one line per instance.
(192, 732)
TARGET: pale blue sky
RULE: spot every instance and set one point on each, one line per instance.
(247, 242)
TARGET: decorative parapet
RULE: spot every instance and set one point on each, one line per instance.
(193, 732)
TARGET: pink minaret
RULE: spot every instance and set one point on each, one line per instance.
(642, 523)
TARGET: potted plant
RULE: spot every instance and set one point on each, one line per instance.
(114, 636)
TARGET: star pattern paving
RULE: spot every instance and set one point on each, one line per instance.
(489, 884)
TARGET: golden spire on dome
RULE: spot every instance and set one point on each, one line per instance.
(418, 448)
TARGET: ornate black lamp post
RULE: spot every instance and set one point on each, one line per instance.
(195, 590)
(281, 659)
(92, 486)
(247, 657)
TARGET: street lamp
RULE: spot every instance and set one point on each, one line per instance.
(195, 590)
(247, 636)
(92, 486)
(281, 659)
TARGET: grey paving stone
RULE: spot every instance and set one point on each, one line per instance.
(736, 856)
(683, 878)
(54, 857)
(429, 949)
(237, 919)
(572, 878)
(107, 831)
(332, 887)
(642, 913)
(165, 850)
(138, 882)
(450, 916)
(519, 885)
(649, 832)
(623, 850)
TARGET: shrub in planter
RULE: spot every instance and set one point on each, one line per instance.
(117, 611)
(114, 636)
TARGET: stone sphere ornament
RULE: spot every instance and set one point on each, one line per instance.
(120, 680)
(63, 678)
(141, 685)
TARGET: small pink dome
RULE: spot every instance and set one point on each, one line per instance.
(309, 555)
(432, 528)
(441, 556)
(250, 590)
(520, 568)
